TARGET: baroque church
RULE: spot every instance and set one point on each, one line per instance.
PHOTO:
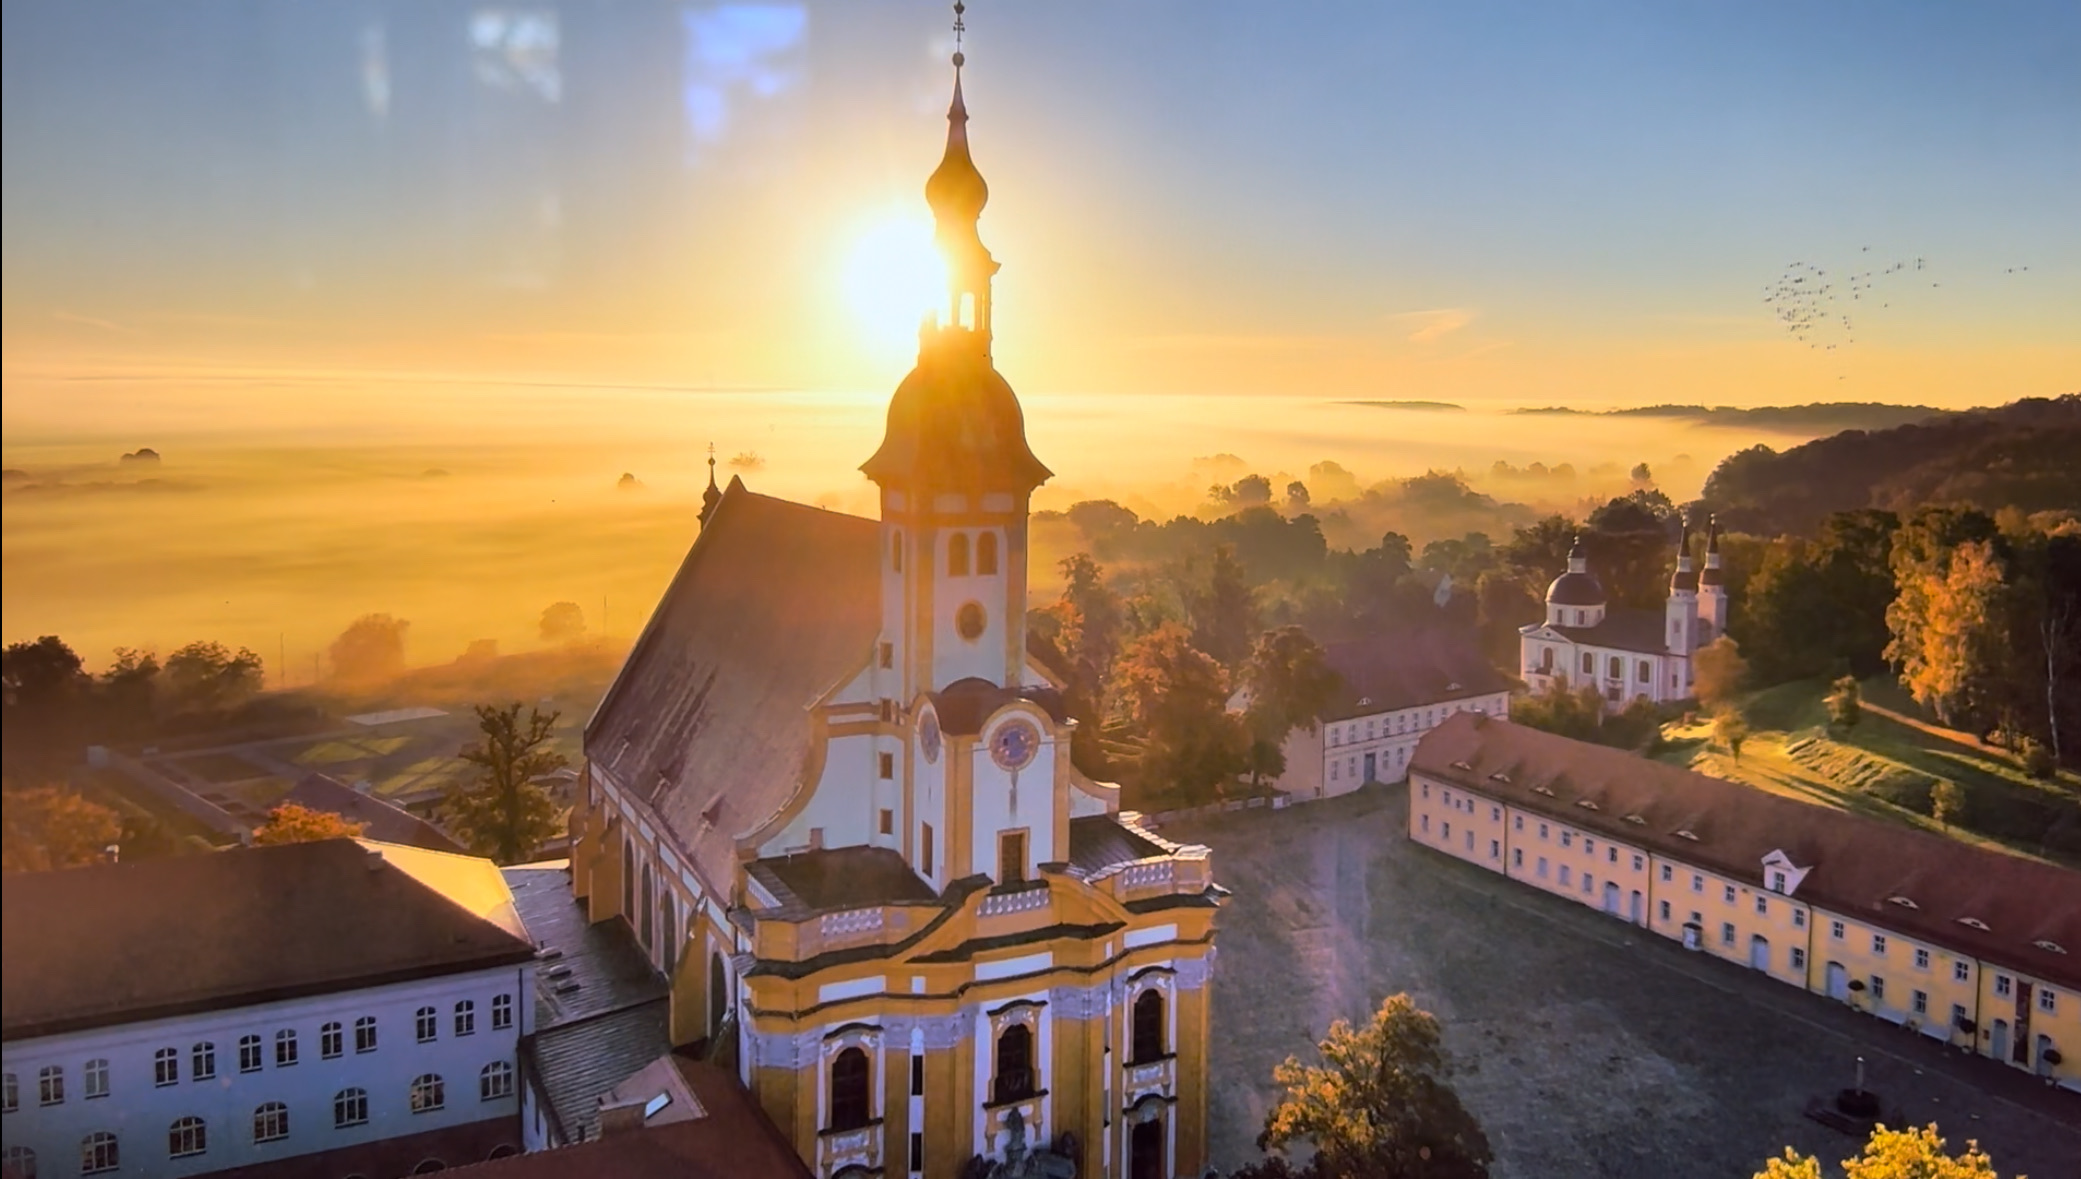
(830, 791)
(1626, 654)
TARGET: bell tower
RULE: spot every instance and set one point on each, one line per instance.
(954, 468)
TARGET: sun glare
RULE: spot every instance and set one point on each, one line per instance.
(893, 278)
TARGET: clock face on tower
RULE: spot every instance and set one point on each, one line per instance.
(928, 738)
(1014, 745)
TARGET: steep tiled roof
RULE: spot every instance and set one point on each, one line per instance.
(708, 720)
(1098, 842)
(577, 1062)
(1859, 865)
(1624, 628)
(1410, 668)
(385, 822)
(92, 947)
(586, 969)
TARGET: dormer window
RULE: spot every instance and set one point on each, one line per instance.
(1687, 833)
(1500, 776)
(1546, 790)
(1974, 923)
(1636, 820)
(2050, 947)
(1461, 765)
(1777, 881)
(1903, 902)
(1586, 804)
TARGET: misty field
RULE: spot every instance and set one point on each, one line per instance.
(467, 509)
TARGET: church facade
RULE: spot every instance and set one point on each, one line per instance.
(831, 793)
(1626, 654)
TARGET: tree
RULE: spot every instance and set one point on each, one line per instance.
(1291, 685)
(1088, 621)
(1948, 632)
(1718, 671)
(1540, 552)
(562, 622)
(290, 823)
(129, 691)
(1630, 541)
(1892, 1154)
(1178, 697)
(501, 812)
(43, 697)
(51, 827)
(1223, 616)
(206, 677)
(371, 650)
(1731, 730)
(1846, 703)
(1377, 1107)
(1576, 712)
(1297, 496)
(1946, 802)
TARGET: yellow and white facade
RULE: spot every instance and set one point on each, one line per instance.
(831, 794)
(1973, 947)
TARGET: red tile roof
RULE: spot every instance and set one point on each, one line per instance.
(708, 720)
(1859, 865)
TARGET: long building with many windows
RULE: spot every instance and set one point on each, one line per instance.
(1974, 947)
(324, 1009)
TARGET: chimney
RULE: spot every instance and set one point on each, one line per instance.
(621, 1117)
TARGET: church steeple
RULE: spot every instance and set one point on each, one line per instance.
(713, 495)
(957, 193)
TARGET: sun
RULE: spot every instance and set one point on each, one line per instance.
(893, 277)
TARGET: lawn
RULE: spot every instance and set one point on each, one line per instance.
(1888, 769)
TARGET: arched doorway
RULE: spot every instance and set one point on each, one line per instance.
(2001, 1039)
(1759, 952)
(2044, 1066)
(1639, 910)
(1611, 897)
(1838, 982)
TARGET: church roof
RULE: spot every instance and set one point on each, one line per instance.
(1411, 668)
(955, 425)
(1575, 589)
(964, 705)
(1987, 903)
(708, 720)
(841, 878)
(1624, 628)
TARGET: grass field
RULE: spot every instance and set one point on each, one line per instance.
(1888, 768)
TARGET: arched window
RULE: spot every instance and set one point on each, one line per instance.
(185, 1137)
(20, 1160)
(718, 994)
(647, 933)
(466, 1018)
(50, 1085)
(896, 551)
(350, 1107)
(249, 1054)
(501, 1012)
(1014, 1078)
(851, 1105)
(495, 1081)
(365, 1034)
(166, 1068)
(428, 1093)
(986, 554)
(426, 1024)
(331, 1040)
(271, 1122)
(285, 1047)
(668, 932)
(957, 555)
(1148, 1029)
(10, 1093)
(628, 881)
(98, 1152)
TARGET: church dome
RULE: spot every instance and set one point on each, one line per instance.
(954, 424)
(956, 190)
(1575, 589)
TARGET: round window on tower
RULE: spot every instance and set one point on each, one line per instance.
(969, 621)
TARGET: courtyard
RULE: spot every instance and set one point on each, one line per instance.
(1586, 1047)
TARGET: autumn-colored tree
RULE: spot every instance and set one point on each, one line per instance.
(562, 622)
(1377, 1107)
(1731, 730)
(370, 650)
(1223, 615)
(291, 823)
(1845, 703)
(1291, 685)
(1718, 672)
(1949, 629)
(1178, 697)
(51, 827)
(502, 812)
(1892, 1154)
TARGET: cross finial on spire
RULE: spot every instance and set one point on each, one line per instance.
(960, 27)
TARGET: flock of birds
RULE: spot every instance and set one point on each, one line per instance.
(1818, 308)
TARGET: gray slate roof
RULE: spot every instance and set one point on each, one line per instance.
(1624, 628)
(577, 1063)
(708, 719)
(841, 878)
(1409, 669)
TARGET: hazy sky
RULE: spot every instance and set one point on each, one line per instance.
(1533, 202)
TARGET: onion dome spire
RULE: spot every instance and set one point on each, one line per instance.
(957, 193)
(1712, 574)
(1685, 578)
(713, 495)
(1576, 587)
